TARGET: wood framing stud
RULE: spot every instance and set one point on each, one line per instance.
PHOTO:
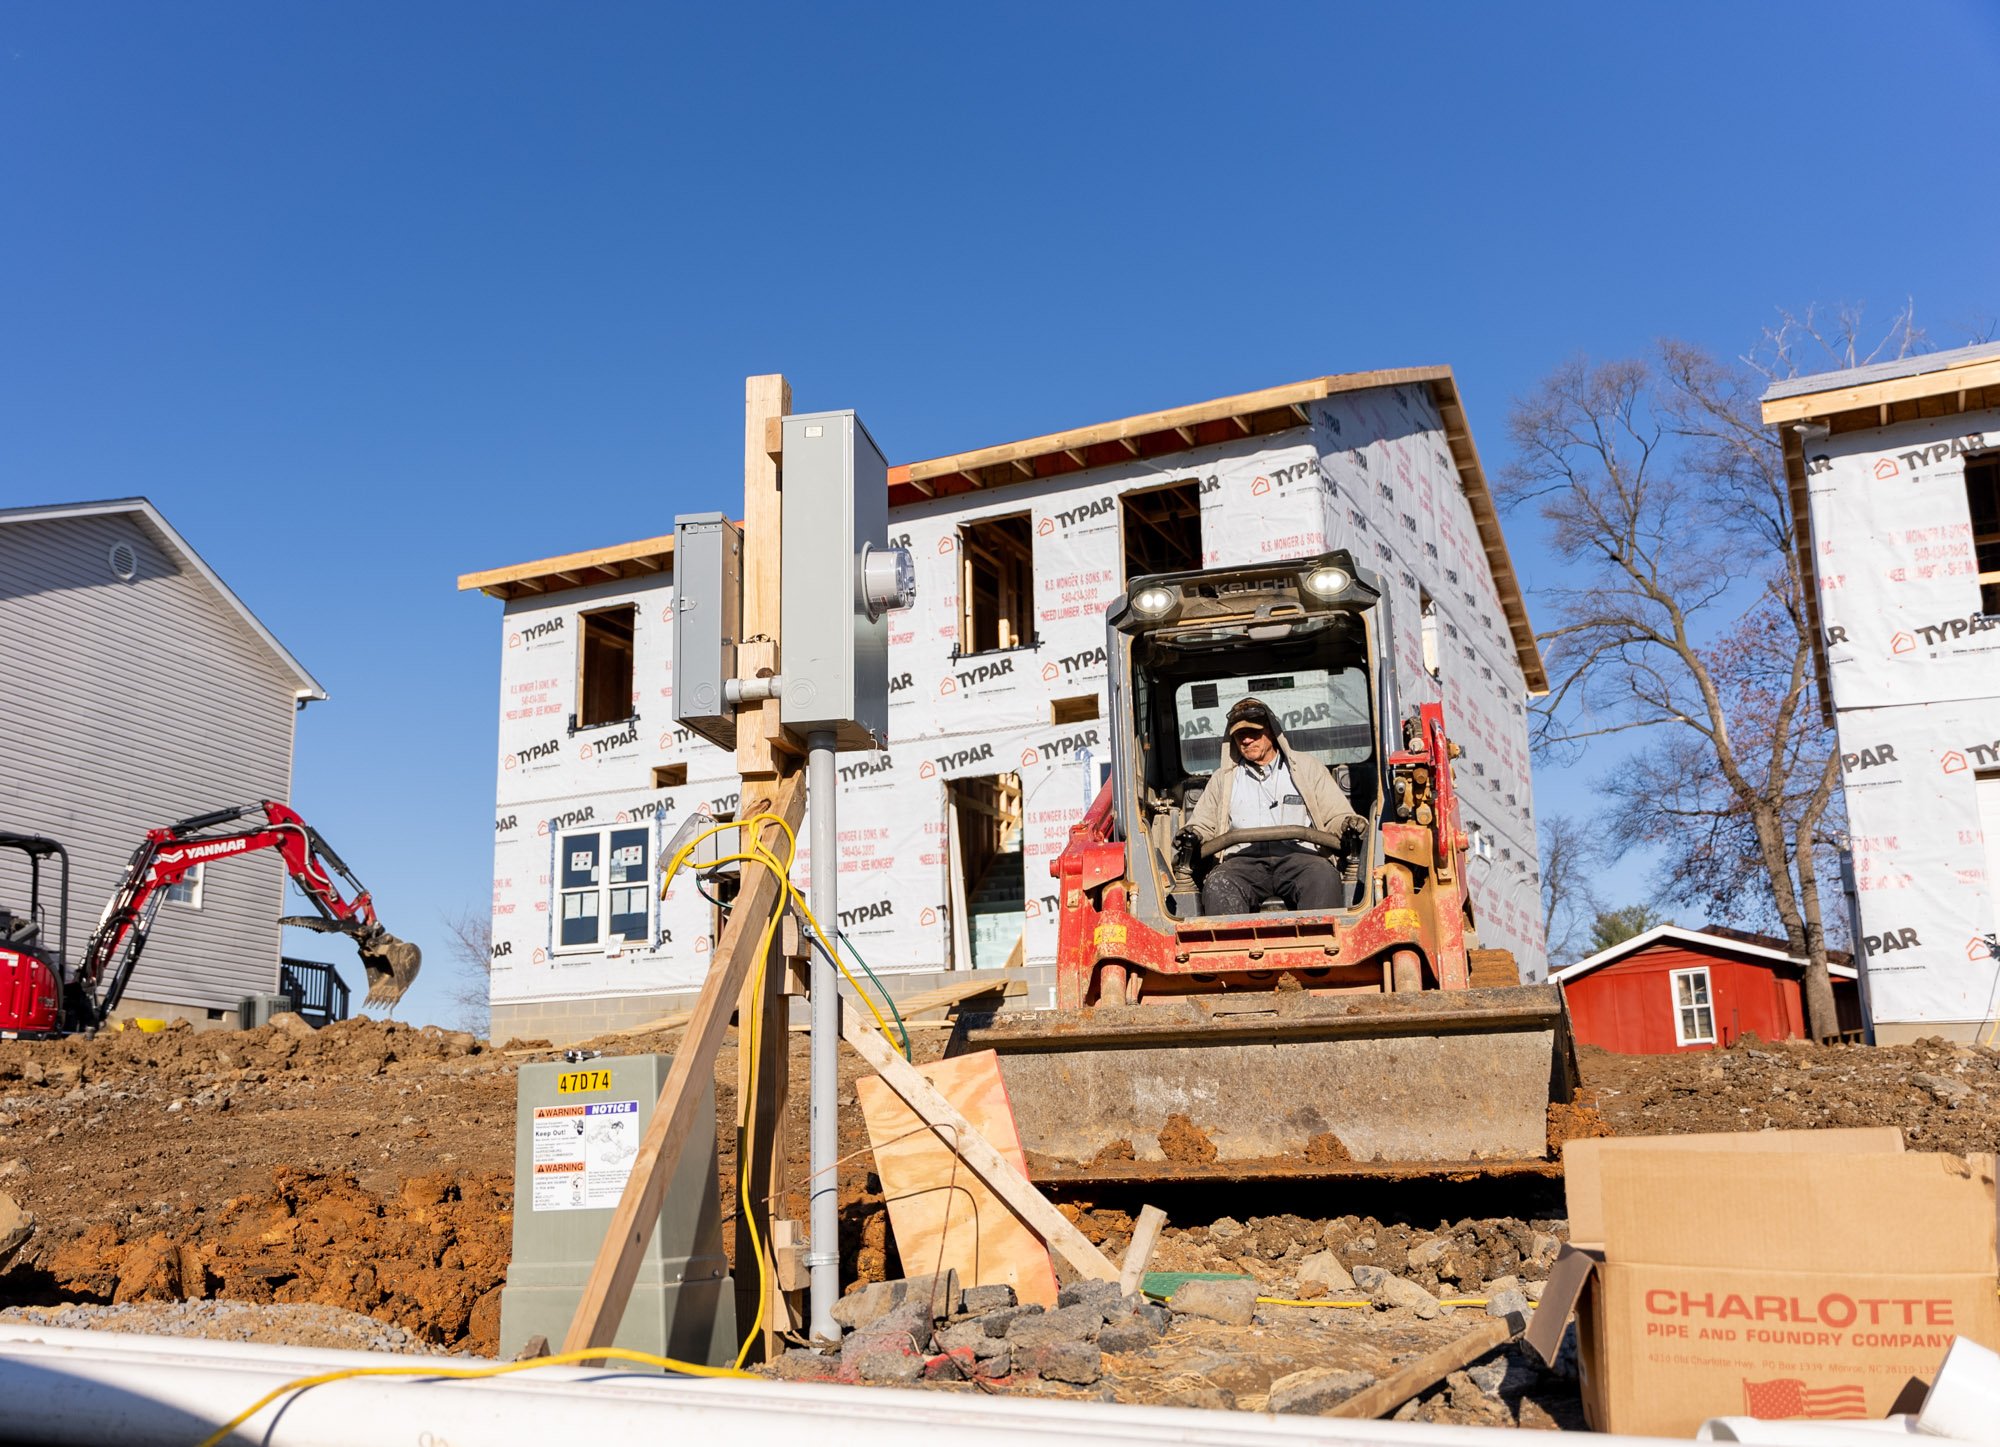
(774, 437)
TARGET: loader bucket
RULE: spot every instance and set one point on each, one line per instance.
(1274, 1086)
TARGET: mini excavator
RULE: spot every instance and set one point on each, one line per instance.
(42, 995)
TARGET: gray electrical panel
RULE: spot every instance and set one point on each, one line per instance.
(835, 658)
(577, 1131)
(708, 617)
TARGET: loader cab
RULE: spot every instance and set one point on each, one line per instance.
(33, 948)
(1305, 636)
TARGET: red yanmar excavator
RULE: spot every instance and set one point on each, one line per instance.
(41, 995)
(1375, 1038)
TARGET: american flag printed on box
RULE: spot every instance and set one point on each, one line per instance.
(1784, 1397)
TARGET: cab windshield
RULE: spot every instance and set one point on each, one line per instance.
(1323, 713)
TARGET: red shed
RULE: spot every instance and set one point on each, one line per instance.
(1673, 989)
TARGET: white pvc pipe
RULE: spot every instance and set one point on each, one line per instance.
(74, 1387)
(1788, 1432)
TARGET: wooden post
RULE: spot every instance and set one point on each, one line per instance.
(610, 1285)
(1145, 1236)
(763, 749)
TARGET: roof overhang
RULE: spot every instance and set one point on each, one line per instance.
(1696, 939)
(308, 688)
(1910, 389)
(574, 570)
(1149, 435)
(1227, 419)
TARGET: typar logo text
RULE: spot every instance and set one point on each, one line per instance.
(535, 755)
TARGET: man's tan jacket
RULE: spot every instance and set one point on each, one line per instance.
(1326, 806)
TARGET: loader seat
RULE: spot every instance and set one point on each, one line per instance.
(18, 930)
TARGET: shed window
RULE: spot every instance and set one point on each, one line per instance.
(1694, 1011)
(1162, 529)
(996, 587)
(604, 666)
(601, 878)
(1982, 492)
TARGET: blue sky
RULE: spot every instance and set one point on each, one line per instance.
(365, 296)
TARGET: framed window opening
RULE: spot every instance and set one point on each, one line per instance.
(1162, 529)
(604, 665)
(996, 585)
(1694, 1007)
(188, 891)
(1982, 496)
(1080, 709)
(1427, 611)
(603, 887)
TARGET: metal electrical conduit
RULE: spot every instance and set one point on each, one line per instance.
(89, 1388)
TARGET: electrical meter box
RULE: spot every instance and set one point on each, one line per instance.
(708, 619)
(835, 644)
(577, 1130)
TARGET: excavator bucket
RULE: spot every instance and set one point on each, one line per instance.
(391, 964)
(1286, 1085)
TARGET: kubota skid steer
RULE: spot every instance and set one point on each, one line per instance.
(1373, 1039)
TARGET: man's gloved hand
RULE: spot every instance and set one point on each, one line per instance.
(1351, 830)
(1187, 848)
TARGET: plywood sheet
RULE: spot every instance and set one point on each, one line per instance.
(942, 1214)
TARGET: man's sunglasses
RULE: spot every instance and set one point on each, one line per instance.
(1252, 733)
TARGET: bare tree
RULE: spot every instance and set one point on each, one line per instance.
(1572, 849)
(1684, 616)
(471, 947)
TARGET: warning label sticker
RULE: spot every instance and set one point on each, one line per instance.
(584, 1154)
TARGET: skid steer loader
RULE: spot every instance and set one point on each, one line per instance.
(1372, 1039)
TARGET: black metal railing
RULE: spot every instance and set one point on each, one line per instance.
(315, 989)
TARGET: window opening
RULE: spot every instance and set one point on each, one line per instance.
(996, 588)
(1162, 529)
(1427, 608)
(604, 666)
(605, 892)
(188, 890)
(1694, 1012)
(669, 776)
(1073, 710)
(989, 884)
(1982, 493)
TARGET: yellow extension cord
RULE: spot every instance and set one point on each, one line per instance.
(621, 1354)
(787, 896)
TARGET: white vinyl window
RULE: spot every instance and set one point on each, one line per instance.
(188, 891)
(603, 887)
(1694, 1010)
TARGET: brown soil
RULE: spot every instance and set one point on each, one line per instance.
(1574, 1120)
(1326, 1149)
(1186, 1143)
(1118, 1150)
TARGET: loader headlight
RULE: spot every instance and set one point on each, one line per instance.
(1154, 602)
(1327, 582)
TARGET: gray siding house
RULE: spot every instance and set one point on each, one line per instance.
(140, 690)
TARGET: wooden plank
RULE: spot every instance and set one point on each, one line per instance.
(568, 564)
(610, 1284)
(1397, 1388)
(943, 1215)
(945, 996)
(1145, 1236)
(1010, 1185)
(763, 749)
(1983, 372)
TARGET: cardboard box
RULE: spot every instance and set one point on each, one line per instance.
(1774, 1274)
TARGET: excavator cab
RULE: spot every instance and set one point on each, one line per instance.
(32, 954)
(1280, 1042)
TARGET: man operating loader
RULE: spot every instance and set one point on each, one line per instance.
(1263, 784)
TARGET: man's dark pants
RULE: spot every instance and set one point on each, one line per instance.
(1302, 879)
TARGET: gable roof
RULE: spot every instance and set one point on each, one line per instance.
(142, 508)
(1148, 435)
(1695, 939)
